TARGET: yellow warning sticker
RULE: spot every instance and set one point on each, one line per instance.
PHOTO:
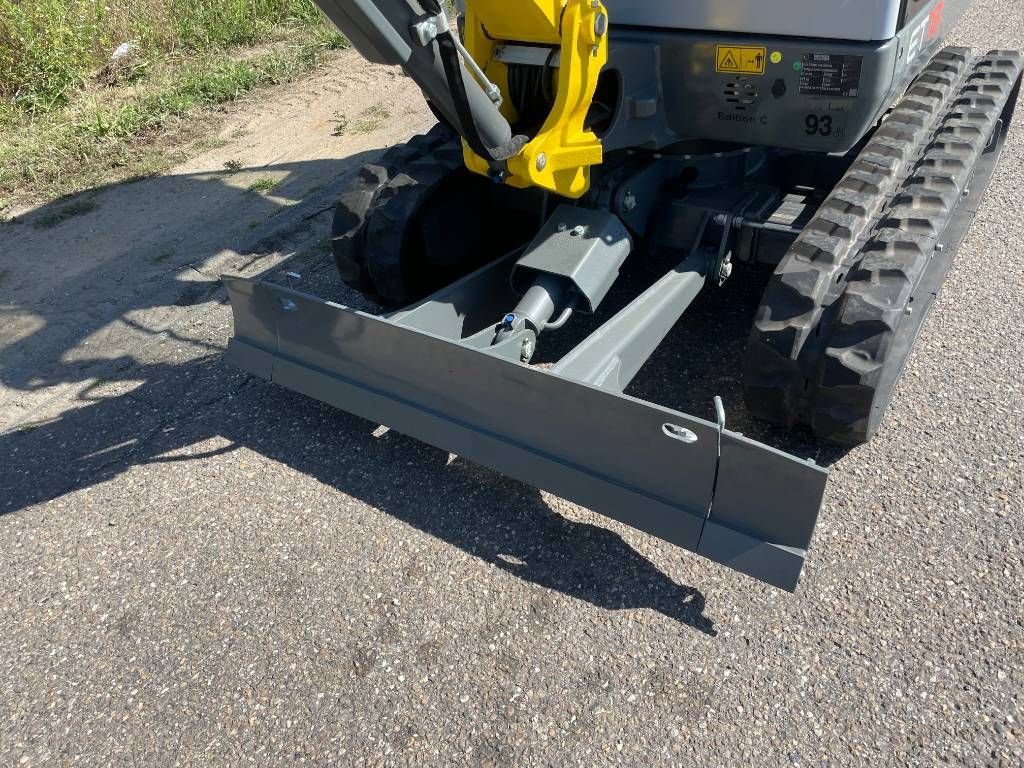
(740, 59)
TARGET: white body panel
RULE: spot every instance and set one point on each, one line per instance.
(833, 19)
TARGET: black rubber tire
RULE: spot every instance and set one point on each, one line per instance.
(839, 319)
(418, 219)
(348, 232)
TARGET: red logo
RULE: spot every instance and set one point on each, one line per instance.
(935, 19)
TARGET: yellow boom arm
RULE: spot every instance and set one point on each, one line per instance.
(559, 157)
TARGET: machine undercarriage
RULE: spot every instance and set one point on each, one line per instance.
(568, 146)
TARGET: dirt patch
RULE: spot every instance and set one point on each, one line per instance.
(102, 278)
(52, 218)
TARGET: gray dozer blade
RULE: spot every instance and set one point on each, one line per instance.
(683, 479)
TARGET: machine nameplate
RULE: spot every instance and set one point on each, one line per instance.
(830, 74)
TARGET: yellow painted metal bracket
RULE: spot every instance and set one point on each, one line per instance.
(559, 157)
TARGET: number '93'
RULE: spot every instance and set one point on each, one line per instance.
(815, 124)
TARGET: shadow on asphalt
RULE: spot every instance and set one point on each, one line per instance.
(83, 262)
(496, 519)
(491, 517)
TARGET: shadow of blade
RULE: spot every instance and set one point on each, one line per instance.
(180, 408)
(591, 563)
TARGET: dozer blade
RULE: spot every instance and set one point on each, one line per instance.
(683, 479)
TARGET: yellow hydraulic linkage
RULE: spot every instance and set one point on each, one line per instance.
(559, 157)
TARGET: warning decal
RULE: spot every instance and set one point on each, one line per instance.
(740, 59)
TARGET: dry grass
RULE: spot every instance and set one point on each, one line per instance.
(63, 129)
(50, 48)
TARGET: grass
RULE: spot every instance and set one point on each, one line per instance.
(370, 119)
(48, 48)
(211, 142)
(62, 130)
(340, 125)
(233, 166)
(264, 184)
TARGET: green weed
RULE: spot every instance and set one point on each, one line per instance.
(210, 142)
(263, 185)
(371, 119)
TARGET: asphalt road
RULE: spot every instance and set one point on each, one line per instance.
(200, 568)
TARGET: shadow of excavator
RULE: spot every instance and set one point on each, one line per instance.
(147, 407)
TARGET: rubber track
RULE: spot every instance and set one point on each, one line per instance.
(865, 352)
(361, 198)
(786, 339)
(395, 210)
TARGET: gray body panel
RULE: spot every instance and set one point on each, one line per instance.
(816, 94)
(837, 19)
(826, 70)
(688, 99)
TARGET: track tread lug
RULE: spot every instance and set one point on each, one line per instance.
(805, 282)
(942, 126)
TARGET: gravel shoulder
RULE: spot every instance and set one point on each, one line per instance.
(201, 568)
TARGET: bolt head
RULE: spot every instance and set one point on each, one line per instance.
(542, 161)
(526, 351)
(494, 94)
